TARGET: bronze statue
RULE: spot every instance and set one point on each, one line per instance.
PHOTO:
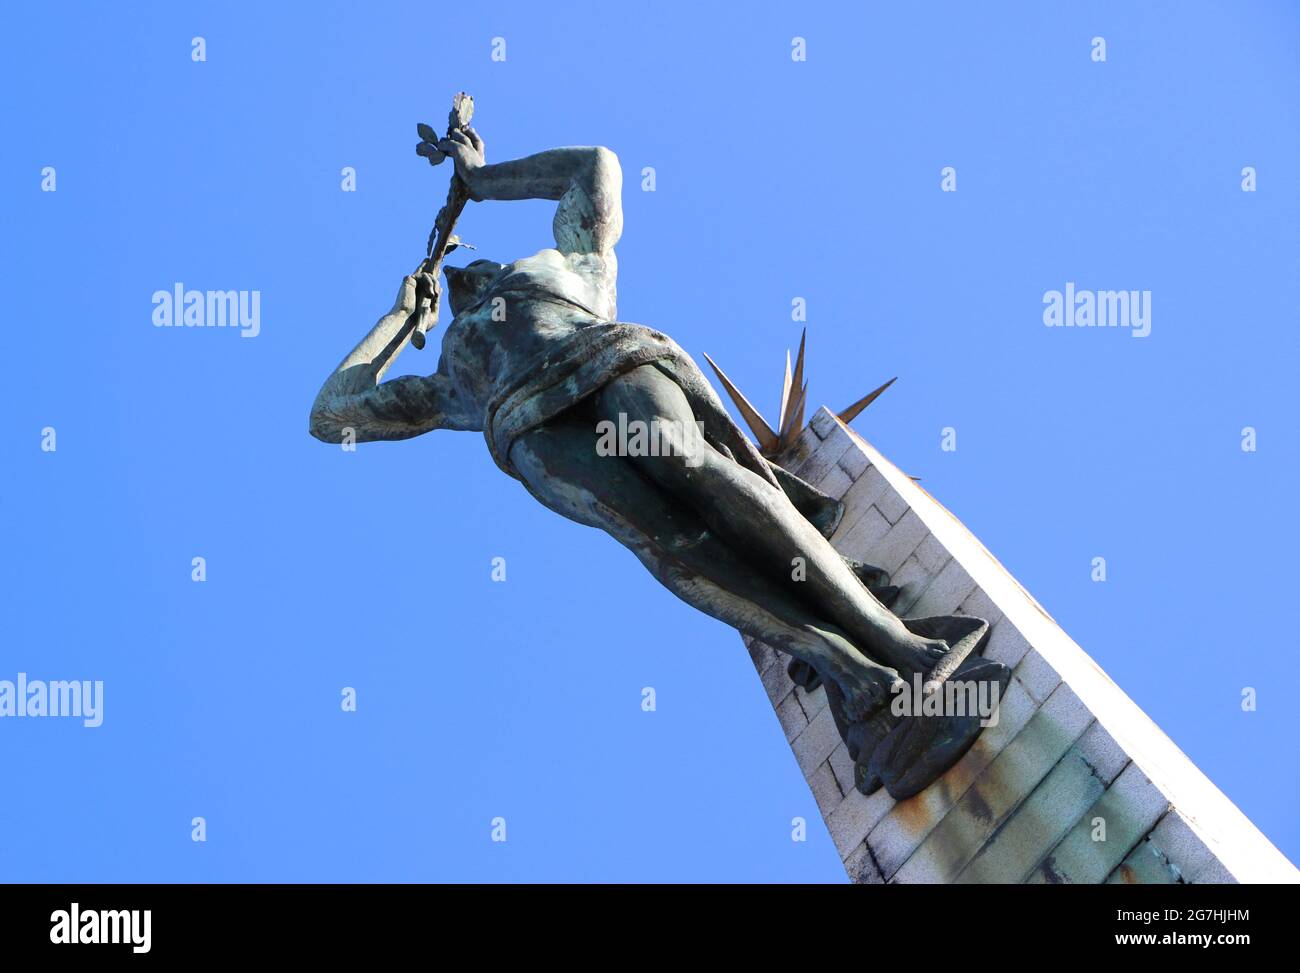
(536, 359)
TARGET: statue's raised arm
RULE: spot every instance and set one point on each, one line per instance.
(586, 180)
(356, 405)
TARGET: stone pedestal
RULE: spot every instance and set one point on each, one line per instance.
(1074, 783)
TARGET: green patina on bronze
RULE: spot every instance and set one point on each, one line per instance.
(536, 359)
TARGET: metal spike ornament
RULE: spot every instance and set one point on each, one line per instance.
(794, 396)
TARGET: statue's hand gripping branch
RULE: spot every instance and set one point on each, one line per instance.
(536, 359)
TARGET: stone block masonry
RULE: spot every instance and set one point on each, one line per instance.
(1073, 784)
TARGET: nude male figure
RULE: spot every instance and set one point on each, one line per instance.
(535, 358)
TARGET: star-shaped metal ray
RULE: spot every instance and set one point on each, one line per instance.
(794, 395)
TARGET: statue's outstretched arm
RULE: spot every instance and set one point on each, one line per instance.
(356, 398)
(587, 181)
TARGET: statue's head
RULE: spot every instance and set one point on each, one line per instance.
(466, 285)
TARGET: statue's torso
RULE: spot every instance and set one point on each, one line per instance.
(533, 303)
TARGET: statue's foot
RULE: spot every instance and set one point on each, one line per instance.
(867, 689)
(930, 653)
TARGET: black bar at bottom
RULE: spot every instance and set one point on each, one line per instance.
(372, 921)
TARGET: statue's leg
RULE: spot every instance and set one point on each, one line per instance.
(758, 521)
(560, 467)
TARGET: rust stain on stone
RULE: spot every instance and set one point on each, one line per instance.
(913, 813)
(917, 814)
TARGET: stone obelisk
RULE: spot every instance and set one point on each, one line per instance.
(1073, 783)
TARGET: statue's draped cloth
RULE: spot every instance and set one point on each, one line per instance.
(580, 363)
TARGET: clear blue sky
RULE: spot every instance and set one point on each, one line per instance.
(775, 179)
